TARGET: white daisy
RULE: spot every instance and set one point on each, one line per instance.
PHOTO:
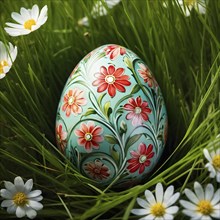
(158, 207)
(28, 21)
(188, 5)
(214, 163)
(7, 57)
(19, 198)
(204, 204)
(98, 10)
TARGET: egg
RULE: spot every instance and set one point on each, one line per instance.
(111, 120)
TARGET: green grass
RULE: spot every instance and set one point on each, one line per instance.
(182, 52)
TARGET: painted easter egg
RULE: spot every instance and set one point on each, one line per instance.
(111, 119)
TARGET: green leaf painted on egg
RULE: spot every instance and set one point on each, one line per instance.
(111, 139)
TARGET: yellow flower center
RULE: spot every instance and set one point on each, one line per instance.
(190, 2)
(29, 23)
(216, 161)
(20, 199)
(71, 100)
(157, 210)
(3, 63)
(205, 207)
(110, 79)
(137, 110)
(88, 136)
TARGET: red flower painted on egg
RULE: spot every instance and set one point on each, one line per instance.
(97, 170)
(114, 51)
(140, 158)
(147, 76)
(138, 110)
(89, 136)
(73, 101)
(111, 79)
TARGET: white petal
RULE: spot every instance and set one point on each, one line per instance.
(206, 217)
(159, 193)
(150, 197)
(43, 14)
(139, 211)
(34, 193)
(207, 155)
(201, 9)
(17, 17)
(19, 26)
(148, 217)
(168, 193)
(35, 205)
(11, 209)
(7, 203)
(16, 32)
(143, 203)
(38, 198)
(216, 197)
(209, 192)
(168, 216)
(6, 69)
(2, 75)
(6, 194)
(199, 191)
(20, 212)
(28, 186)
(25, 13)
(216, 213)
(10, 186)
(34, 27)
(159, 218)
(112, 3)
(188, 205)
(31, 213)
(19, 184)
(84, 21)
(173, 199)
(172, 210)
(191, 195)
(14, 52)
(190, 213)
(35, 12)
(218, 177)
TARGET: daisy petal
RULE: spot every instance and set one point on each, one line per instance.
(20, 212)
(199, 191)
(17, 17)
(172, 210)
(9, 186)
(150, 197)
(142, 203)
(19, 26)
(159, 192)
(148, 217)
(216, 197)
(191, 196)
(42, 15)
(11, 209)
(7, 203)
(28, 186)
(188, 205)
(35, 205)
(209, 192)
(6, 194)
(139, 211)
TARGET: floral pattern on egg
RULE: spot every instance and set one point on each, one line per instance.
(111, 120)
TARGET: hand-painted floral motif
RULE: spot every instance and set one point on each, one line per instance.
(61, 137)
(111, 79)
(114, 51)
(146, 75)
(89, 136)
(140, 158)
(97, 170)
(139, 110)
(73, 101)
